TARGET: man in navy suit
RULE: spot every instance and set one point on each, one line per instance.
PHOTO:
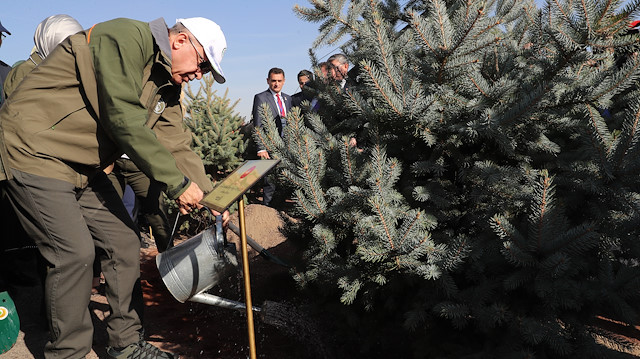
(280, 105)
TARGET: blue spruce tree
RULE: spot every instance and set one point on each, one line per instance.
(490, 207)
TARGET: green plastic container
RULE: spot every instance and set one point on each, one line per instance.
(9, 323)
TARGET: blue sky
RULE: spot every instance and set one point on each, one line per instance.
(260, 34)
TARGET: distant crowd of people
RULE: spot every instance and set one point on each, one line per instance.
(334, 71)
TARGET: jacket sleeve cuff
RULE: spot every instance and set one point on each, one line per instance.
(175, 192)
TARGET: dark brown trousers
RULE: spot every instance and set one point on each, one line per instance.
(68, 224)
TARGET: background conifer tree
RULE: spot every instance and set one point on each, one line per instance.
(217, 139)
(216, 128)
(490, 209)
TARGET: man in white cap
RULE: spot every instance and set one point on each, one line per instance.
(112, 89)
(4, 68)
(125, 173)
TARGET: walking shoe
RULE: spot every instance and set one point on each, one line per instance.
(140, 350)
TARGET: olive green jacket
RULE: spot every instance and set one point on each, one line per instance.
(100, 93)
(18, 72)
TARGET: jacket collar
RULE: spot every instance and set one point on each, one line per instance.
(160, 33)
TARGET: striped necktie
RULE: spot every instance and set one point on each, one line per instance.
(280, 105)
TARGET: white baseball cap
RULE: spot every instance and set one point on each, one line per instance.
(210, 36)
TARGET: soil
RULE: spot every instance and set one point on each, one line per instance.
(197, 330)
(282, 330)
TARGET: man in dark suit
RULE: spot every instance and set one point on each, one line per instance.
(339, 70)
(280, 105)
(304, 76)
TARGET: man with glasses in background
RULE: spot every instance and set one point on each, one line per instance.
(340, 70)
(112, 89)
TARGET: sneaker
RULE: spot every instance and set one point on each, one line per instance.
(140, 350)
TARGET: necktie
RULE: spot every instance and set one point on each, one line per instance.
(280, 105)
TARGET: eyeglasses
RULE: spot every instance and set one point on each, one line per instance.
(203, 65)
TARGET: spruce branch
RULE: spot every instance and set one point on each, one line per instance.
(493, 41)
(442, 19)
(484, 93)
(294, 180)
(577, 241)
(350, 289)
(600, 135)
(603, 12)
(354, 102)
(299, 142)
(540, 208)
(620, 82)
(312, 182)
(407, 226)
(382, 40)
(565, 12)
(348, 165)
(421, 31)
(628, 138)
(467, 30)
(267, 135)
(377, 205)
(326, 237)
(630, 10)
(302, 203)
(586, 16)
(335, 26)
(373, 254)
(487, 29)
(374, 77)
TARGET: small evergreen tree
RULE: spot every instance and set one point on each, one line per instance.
(216, 128)
(217, 139)
(490, 210)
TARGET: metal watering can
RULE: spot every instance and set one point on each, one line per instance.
(197, 264)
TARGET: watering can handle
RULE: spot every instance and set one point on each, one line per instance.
(173, 231)
(221, 238)
(175, 224)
